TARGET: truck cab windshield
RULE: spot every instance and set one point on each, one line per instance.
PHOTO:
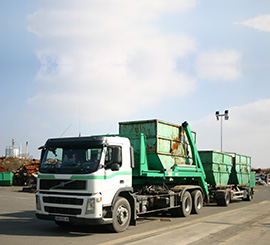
(67, 160)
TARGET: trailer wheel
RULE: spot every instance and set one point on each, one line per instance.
(248, 195)
(121, 215)
(197, 200)
(225, 200)
(185, 209)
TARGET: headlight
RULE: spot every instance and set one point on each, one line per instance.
(38, 206)
(90, 207)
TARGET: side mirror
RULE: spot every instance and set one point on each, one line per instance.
(117, 155)
(115, 167)
(43, 149)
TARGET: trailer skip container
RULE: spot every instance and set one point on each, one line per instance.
(112, 179)
(217, 167)
(240, 174)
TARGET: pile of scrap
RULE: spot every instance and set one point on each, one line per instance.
(3, 169)
(24, 171)
(26, 174)
(12, 163)
(262, 178)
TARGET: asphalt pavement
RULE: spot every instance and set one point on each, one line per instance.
(241, 222)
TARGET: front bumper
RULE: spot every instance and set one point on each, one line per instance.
(76, 220)
(71, 208)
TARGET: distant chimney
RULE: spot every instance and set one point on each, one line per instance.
(26, 149)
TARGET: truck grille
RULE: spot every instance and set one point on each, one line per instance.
(57, 210)
(63, 200)
(46, 184)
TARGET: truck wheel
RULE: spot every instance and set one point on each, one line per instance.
(248, 195)
(186, 206)
(197, 199)
(225, 200)
(121, 215)
(185, 209)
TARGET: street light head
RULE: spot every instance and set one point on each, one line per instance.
(217, 115)
(227, 115)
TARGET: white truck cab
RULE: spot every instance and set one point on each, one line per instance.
(81, 179)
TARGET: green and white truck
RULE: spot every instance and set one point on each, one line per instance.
(149, 166)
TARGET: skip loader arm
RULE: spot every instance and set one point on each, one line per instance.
(196, 157)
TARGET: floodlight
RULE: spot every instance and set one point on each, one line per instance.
(226, 115)
(217, 115)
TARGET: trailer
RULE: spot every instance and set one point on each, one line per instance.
(228, 175)
(149, 166)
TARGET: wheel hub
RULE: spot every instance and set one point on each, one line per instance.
(122, 215)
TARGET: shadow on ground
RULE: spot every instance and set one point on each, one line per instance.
(26, 224)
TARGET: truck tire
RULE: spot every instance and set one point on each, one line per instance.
(121, 215)
(197, 200)
(186, 206)
(248, 195)
(225, 200)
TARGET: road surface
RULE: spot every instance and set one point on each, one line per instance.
(241, 222)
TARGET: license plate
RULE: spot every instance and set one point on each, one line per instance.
(61, 218)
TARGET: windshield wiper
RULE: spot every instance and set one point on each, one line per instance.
(80, 170)
(70, 164)
(49, 170)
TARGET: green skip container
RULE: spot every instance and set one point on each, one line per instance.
(166, 144)
(252, 181)
(217, 167)
(6, 179)
(241, 170)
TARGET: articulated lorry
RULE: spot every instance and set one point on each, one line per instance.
(149, 166)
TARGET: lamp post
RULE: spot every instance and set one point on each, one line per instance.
(226, 117)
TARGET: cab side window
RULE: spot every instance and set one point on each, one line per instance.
(113, 155)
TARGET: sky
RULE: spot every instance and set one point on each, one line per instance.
(79, 67)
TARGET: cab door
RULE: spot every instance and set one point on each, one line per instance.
(116, 174)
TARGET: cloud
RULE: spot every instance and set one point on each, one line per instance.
(245, 132)
(215, 65)
(260, 23)
(107, 58)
